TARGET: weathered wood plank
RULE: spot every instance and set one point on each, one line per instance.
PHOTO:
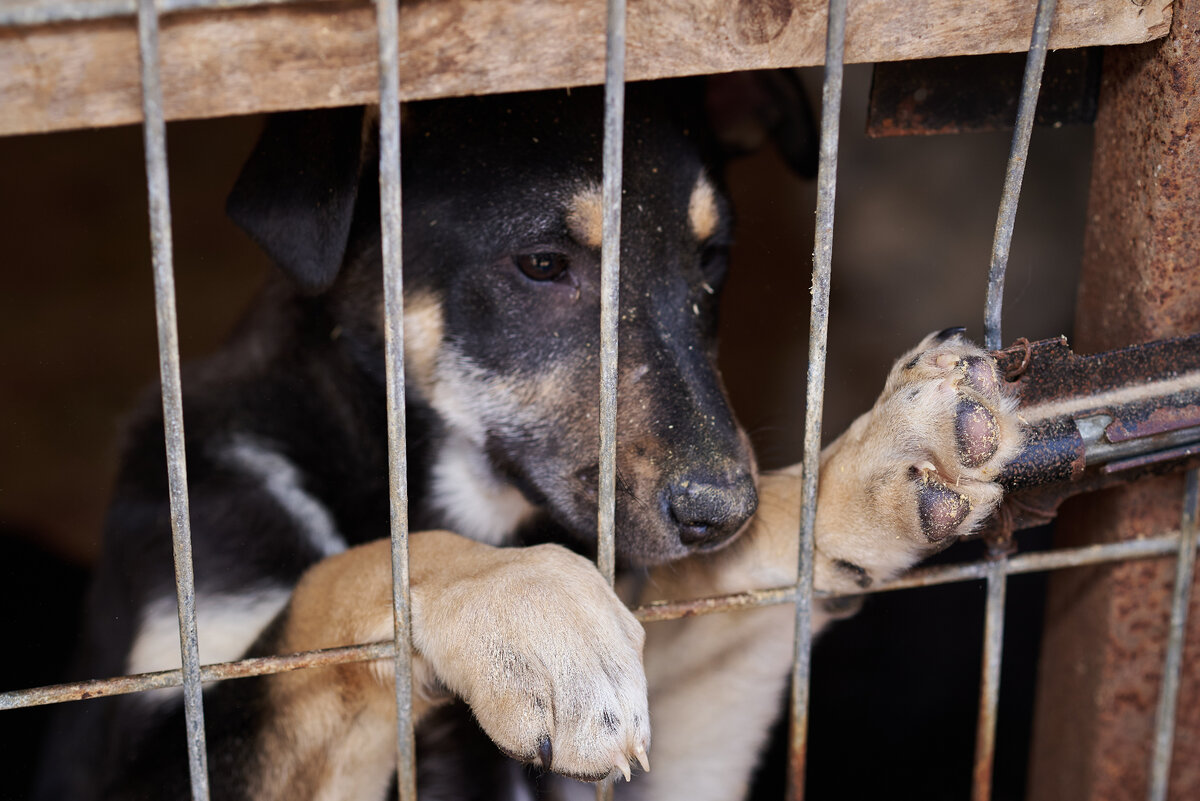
(215, 63)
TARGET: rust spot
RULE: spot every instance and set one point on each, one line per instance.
(1155, 420)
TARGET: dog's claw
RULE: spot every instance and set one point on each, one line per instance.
(623, 766)
(545, 752)
(642, 758)
(949, 333)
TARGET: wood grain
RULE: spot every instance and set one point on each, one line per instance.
(215, 63)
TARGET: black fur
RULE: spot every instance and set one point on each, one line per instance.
(485, 179)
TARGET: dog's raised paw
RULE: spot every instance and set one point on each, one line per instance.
(547, 657)
(919, 470)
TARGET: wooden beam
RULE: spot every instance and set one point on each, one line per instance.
(221, 62)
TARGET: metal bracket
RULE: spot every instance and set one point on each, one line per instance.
(1097, 420)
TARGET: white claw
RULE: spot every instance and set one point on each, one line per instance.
(640, 755)
(623, 766)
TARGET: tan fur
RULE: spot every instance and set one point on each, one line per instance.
(331, 733)
(703, 213)
(538, 645)
(585, 216)
(423, 325)
(716, 681)
(532, 638)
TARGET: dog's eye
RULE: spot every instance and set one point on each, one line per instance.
(542, 266)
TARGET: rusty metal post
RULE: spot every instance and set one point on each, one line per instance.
(1106, 627)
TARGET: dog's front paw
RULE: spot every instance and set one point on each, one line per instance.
(919, 469)
(546, 656)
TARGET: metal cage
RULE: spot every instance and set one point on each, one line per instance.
(1182, 544)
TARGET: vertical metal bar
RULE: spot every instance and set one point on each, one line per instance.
(155, 135)
(1034, 64)
(831, 107)
(610, 285)
(393, 292)
(993, 637)
(610, 257)
(989, 684)
(1164, 727)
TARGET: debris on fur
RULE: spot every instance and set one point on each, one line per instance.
(981, 375)
(978, 432)
(940, 509)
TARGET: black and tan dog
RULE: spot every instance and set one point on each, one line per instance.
(286, 457)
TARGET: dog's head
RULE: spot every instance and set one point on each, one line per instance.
(502, 222)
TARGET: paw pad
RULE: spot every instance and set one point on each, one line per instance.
(980, 375)
(977, 432)
(940, 509)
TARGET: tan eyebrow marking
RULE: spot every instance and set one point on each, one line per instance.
(585, 216)
(702, 209)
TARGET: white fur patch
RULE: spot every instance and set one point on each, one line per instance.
(282, 481)
(227, 624)
(476, 503)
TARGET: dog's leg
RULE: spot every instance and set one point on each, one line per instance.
(906, 479)
(545, 654)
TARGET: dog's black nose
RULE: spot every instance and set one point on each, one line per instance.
(709, 510)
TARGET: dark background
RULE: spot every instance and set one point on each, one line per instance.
(894, 689)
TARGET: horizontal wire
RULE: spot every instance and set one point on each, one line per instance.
(1151, 547)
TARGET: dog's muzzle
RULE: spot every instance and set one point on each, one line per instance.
(709, 510)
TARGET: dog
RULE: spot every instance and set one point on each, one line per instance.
(287, 462)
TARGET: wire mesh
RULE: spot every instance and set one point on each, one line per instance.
(1160, 546)
(994, 571)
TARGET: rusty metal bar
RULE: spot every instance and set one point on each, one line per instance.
(164, 679)
(393, 291)
(1060, 559)
(989, 684)
(997, 579)
(610, 276)
(155, 135)
(1149, 548)
(1164, 727)
(1034, 65)
(610, 287)
(831, 107)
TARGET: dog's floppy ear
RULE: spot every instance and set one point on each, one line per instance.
(296, 194)
(746, 108)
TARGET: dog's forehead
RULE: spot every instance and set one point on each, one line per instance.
(584, 210)
(556, 138)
